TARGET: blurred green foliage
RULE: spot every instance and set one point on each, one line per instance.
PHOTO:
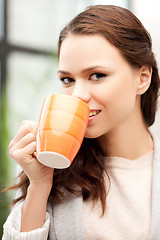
(4, 164)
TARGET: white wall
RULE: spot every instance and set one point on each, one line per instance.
(149, 14)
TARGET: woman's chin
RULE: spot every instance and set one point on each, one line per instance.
(92, 135)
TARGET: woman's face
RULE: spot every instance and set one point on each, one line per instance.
(92, 69)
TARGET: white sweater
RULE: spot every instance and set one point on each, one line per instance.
(128, 211)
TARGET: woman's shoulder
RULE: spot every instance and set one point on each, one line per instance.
(156, 143)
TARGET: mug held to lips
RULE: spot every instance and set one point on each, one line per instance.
(61, 129)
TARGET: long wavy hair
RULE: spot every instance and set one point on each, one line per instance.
(121, 27)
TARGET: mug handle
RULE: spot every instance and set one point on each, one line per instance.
(34, 155)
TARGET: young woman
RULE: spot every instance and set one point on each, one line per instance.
(112, 189)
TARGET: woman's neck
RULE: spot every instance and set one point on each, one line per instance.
(131, 140)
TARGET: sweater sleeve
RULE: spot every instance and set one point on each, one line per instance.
(12, 227)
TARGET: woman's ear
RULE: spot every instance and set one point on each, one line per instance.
(144, 79)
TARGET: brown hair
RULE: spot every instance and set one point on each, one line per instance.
(118, 25)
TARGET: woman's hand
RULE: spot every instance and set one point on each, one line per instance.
(22, 148)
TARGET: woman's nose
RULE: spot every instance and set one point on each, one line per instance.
(81, 91)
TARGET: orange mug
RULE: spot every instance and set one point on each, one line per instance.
(61, 129)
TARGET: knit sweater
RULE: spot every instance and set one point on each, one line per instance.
(128, 212)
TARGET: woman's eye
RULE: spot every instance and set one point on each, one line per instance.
(97, 76)
(66, 80)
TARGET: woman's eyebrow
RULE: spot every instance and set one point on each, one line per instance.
(83, 71)
(63, 72)
(91, 68)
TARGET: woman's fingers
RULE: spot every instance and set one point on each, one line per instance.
(22, 153)
(23, 156)
(22, 148)
(27, 139)
(25, 128)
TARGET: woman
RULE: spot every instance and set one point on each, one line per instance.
(111, 190)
